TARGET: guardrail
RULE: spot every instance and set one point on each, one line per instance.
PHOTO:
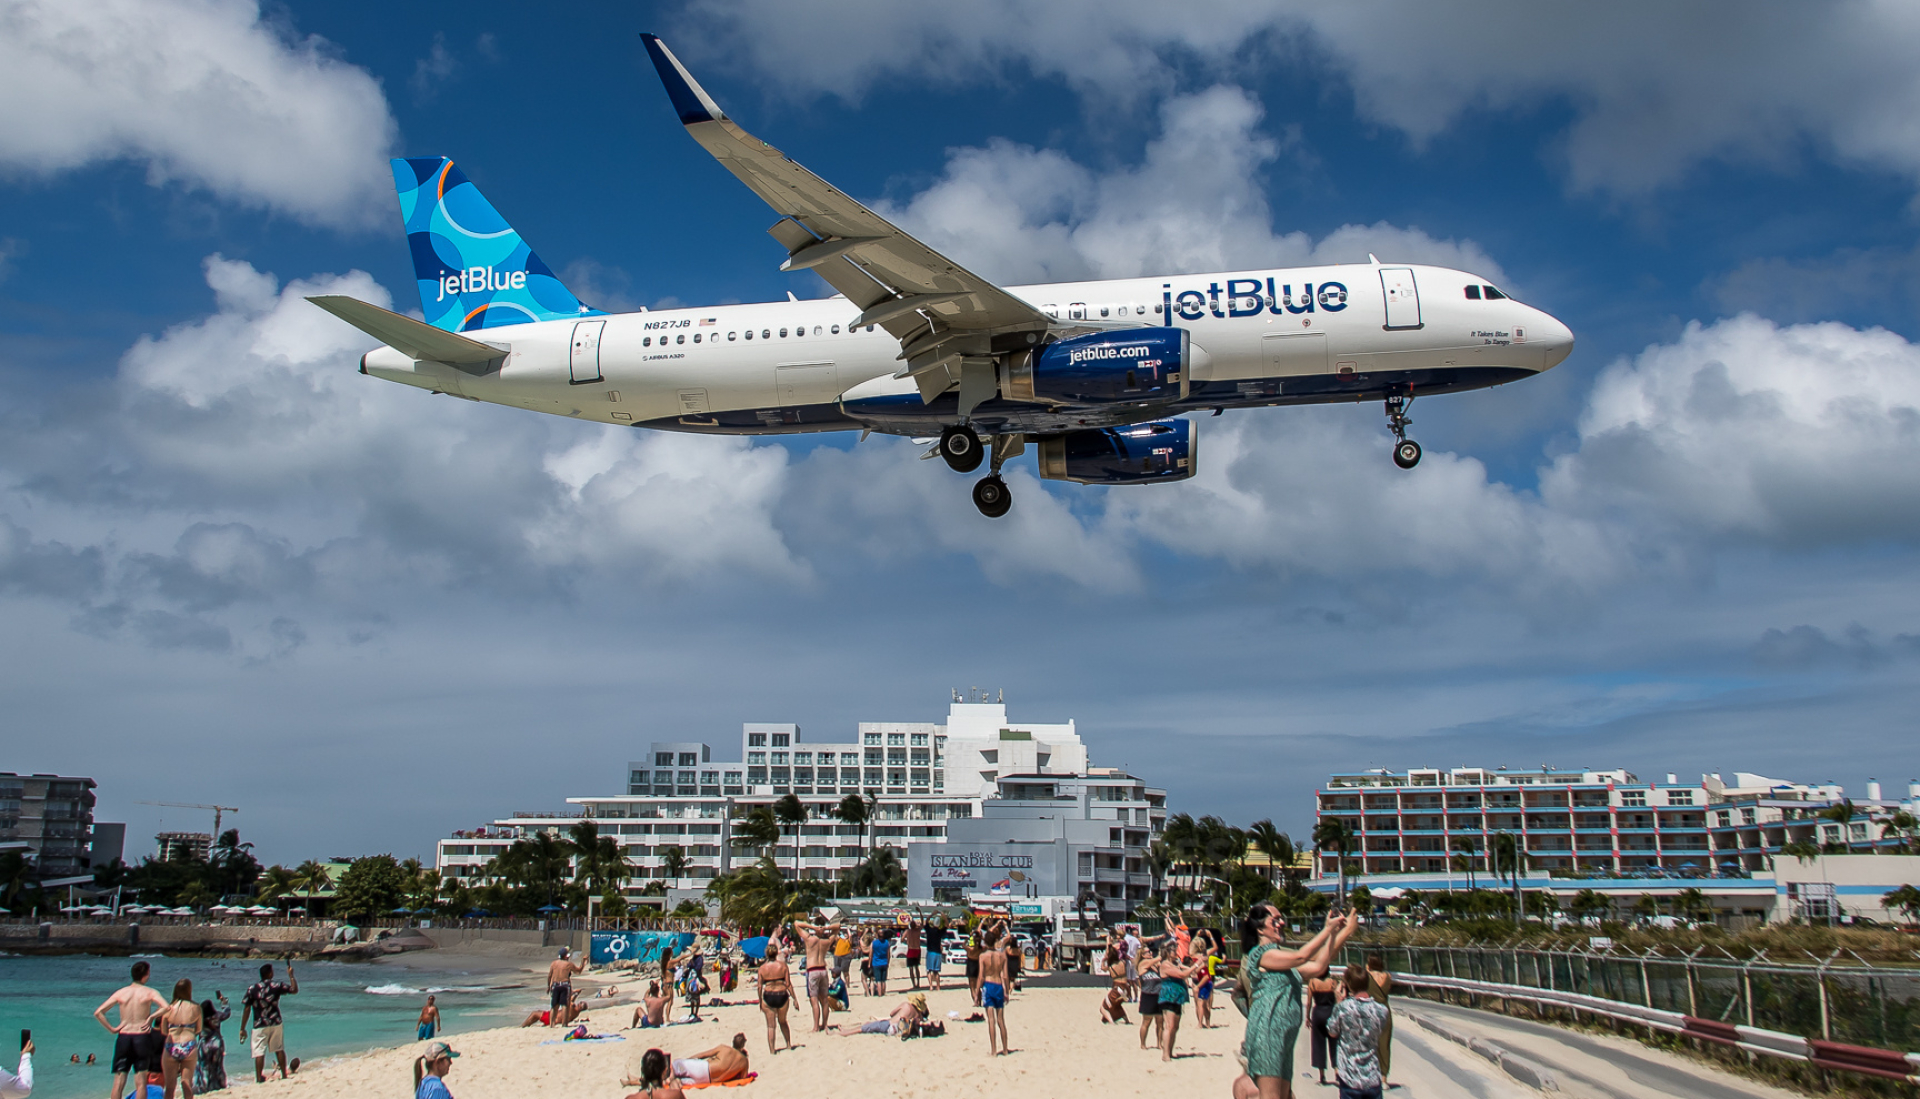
(1836, 1056)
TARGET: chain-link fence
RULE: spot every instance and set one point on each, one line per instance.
(1854, 1003)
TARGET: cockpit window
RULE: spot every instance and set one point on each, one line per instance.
(1492, 294)
(1473, 293)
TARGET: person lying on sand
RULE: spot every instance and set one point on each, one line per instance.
(575, 1009)
(899, 1023)
(713, 1066)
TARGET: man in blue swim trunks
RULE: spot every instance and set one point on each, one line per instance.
(993, 988)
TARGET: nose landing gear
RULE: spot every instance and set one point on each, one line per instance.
(1406, 452)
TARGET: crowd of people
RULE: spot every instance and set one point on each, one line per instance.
(166, 1044)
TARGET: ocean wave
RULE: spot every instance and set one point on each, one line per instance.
(409, 990)
(146, 955)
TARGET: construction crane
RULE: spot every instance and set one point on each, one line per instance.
(217, 810)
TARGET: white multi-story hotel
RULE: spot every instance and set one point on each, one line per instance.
(681, 794)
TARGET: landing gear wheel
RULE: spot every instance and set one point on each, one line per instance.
(990, 495)
(960, 446)
(1406, 454)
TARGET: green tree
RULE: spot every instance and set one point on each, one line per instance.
(17, 878)
(1335, 835)
(878, 875)
(857, 811)
(1802, 850)
(1274, 844)
(1901, 824)
(1360, 899)
(756, 829)
(1589, 902)
(759, 897)
(791, 812)
(673, 859)
(371, 886)
(1692, 904)
(597, 859)
(311, 877)
(1905, 899)
(1503, 856)
(275, 882)
(1466, 855)
(1842, 812)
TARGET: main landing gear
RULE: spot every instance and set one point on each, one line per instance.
(960, 446)
(990, 495)
(1406, 452)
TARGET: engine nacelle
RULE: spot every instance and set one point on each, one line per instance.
(1132, 366)
(1138, 454)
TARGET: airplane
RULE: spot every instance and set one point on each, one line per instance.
(1102, 378)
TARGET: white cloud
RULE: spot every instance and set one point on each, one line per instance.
(1195, 202)
(1653, 89)
(204, 93)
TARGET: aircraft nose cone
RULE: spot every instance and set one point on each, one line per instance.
(1555, 338)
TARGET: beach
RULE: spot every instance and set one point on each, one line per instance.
(1060, 1047)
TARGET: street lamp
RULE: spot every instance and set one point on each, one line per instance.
(1230, 908)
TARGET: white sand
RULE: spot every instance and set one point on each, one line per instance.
(1060, 1048)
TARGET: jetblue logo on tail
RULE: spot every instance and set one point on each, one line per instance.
(472, 269)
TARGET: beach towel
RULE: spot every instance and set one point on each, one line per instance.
(738, 1082)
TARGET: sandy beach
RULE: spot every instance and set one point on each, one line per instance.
(1060, 1048)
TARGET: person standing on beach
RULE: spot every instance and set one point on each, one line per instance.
(429, 1020)
(1356, 1027)
(430, 1072)
(1174, 975)
(912, 937)
(19, 1085)
(212, 1073)
(842, 955)
(776, 993)
(935, 937)
(180, 1023)
(260, 1010)
(882, 954)
(1274, 978)
(560, 982)
(993, 992)
(136, 1046)
(1380, 987)
(817, 941)
(973, 965)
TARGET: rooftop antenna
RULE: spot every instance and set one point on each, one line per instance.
(1003, 696)
(956, 694)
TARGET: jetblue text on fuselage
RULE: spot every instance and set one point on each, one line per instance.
(478, 279)
(1248, 297)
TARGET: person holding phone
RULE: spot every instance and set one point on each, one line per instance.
(19, 1085)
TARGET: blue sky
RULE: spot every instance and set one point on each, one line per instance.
(234, 570)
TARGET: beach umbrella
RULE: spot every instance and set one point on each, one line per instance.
(755, 947)
(183, 910)
(401, 912)
(74, 908)
(259, 910)
(423, 911)
(551, 908)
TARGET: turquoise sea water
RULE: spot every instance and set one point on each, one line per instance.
(341, 1007)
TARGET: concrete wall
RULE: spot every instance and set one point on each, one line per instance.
(123, 938)
(506, 943)
(1857, 881)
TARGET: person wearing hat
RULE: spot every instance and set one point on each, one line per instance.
(430, 1070)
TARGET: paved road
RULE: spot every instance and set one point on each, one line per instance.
(1585, 1066)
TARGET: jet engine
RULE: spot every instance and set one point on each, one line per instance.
(1134, 365)
(1137, 454)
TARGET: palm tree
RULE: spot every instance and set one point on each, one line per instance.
(275, 882)
(1336, 835)
(16, 876)
(1693, 904)
(879, 875)
(1905, 899)
(310, 877)
(1901, 824)
(757, 829)
(1159, 861)
(791, 812)
(1801, 849)
(673, 859)
(1466, 851)
(1589, 902)
(1182, 839)
(854, 809)
(598, 862)
(1276, 845)
(759, 897)
(1503, 856)
(1841, 811)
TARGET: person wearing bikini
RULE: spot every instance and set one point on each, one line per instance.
(776, 993)
(180, 1022)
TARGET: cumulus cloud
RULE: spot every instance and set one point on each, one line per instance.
(1652, 89)
(1195, 202)
(205, 93)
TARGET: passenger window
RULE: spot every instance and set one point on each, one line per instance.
(1473, 293)
(648, 342)
(869, 328)
(749, 333)
(801, 331)
(696, 337)
(816, 330)
(836, 330)
(1493, 294)
(732, 336)
(679, 339)
(1103, 310)
(783, 333)
(767, 335)
(1156, 308)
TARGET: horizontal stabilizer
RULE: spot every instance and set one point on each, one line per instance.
(415, 339)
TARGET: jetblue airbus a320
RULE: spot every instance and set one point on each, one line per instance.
(1099, 376)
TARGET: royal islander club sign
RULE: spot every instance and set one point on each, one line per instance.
(989, 870)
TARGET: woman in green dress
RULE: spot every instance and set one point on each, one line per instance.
(1275, 977)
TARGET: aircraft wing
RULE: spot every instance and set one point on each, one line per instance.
(943, 314)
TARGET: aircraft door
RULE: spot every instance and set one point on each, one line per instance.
(584, 363)
(1403, 297)
(806, 383)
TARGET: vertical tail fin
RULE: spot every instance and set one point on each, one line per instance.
(473, 270)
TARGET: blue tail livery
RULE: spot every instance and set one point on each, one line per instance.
(474, 271)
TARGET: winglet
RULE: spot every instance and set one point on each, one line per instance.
(689, 98)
